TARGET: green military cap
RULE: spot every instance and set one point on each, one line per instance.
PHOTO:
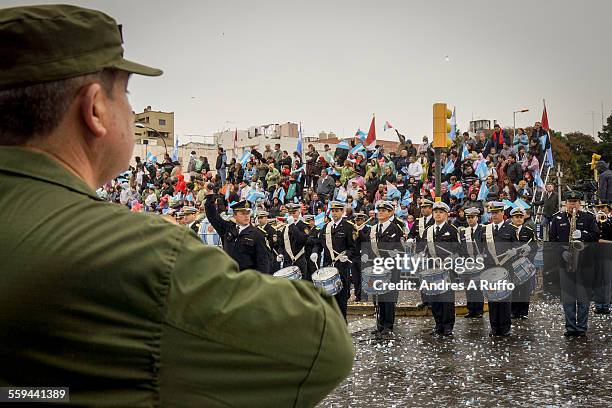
(601, 205)
(54, 42)
(573, 195)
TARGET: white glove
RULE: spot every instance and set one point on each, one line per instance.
(290, 220)
(364, 258)
(314, 257)
(343, 258)
(280, 258)
(410, 240)
(577, 234)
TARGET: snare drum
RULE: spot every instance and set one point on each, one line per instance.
(497, 280)
(440, 277)
(523, 270)
(369, 277)
(328, 279)
(290, 272)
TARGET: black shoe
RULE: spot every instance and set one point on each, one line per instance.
(523, 317)
(447, 332)
(471, 315)
(569, 334)
(375, 331)
(515, 316)
(493, 333)
(436, 332)
(580, 334)
(604, 311)
(506, 334)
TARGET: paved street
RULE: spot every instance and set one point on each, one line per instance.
(536, 366)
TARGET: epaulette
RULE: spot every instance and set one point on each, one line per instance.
(452, 225)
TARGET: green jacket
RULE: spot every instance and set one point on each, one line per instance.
(129, 310)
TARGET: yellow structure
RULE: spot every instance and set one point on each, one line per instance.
(440, 125)
(162, 122)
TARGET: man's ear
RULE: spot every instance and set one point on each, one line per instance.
(93, 109)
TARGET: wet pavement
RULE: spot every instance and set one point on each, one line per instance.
(535, 367)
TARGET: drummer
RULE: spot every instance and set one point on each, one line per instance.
(313, 236)
(361, 235)
(338, 245)
(292, 240)
(497, 236)
(471, 237)
(443, 305)
(263, 224)
(521, 293)
(383, 240)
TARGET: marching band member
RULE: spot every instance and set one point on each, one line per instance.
(262, 222)
(383, 238)
(292, 240)
(338, 245)
(496, 237)
(418, 231)
(313, 236)
(188, 217)
(520, 295)
(360, 235)
(471, 237)
(443, 305)
(574, 226)
(241, 240)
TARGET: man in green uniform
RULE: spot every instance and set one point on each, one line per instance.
(125, 308)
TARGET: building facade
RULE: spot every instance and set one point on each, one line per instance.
(162, 122)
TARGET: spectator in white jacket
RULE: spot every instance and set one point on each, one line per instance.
(414, 168)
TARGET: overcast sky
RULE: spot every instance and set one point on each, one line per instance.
(331, 64)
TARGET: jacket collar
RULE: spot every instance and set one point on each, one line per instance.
(36, 165)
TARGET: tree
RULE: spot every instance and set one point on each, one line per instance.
(606, 134)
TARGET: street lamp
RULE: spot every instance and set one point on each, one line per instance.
(157, 134)
(514, 121)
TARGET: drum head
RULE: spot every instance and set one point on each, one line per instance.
(288, 271)
(494, 274)
(326, 273)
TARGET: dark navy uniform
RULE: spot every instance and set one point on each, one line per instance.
(443, 305)
(361, 235)
(387, 240)
(521, 293)
(311, 241)
(500, 313)
(297, 235)
(575, 278)
(247, 246)
(269, 234)
(342, 243)
(471, 238)
(602, 281)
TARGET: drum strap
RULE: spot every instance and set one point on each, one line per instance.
(374, 241)
(288, 246)
(421, 226)
(431, 246)
(265, 236)
(328, 241)
(491, 242)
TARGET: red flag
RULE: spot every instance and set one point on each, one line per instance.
(371, 138)
(545, 119)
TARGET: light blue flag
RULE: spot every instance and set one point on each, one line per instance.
(175, 151)
(521, 203)
(357, 149)
(189, 197)
(483, 192)
(543, 141)
(300, 142)
(361, 135)
(549, 157)
(245, 158)
(464, 153)
(281, 195)
(449, 167)
(482, 171)
(406, 200)
(227, 192)
(538, 179)
(457, 191)
(154, 159)
(255, 195)
(342, 194)
(149, 157)
(508, 203)
(453, 123)
(392, 192)
(343, 145)
(319, 220)
(375, 154)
